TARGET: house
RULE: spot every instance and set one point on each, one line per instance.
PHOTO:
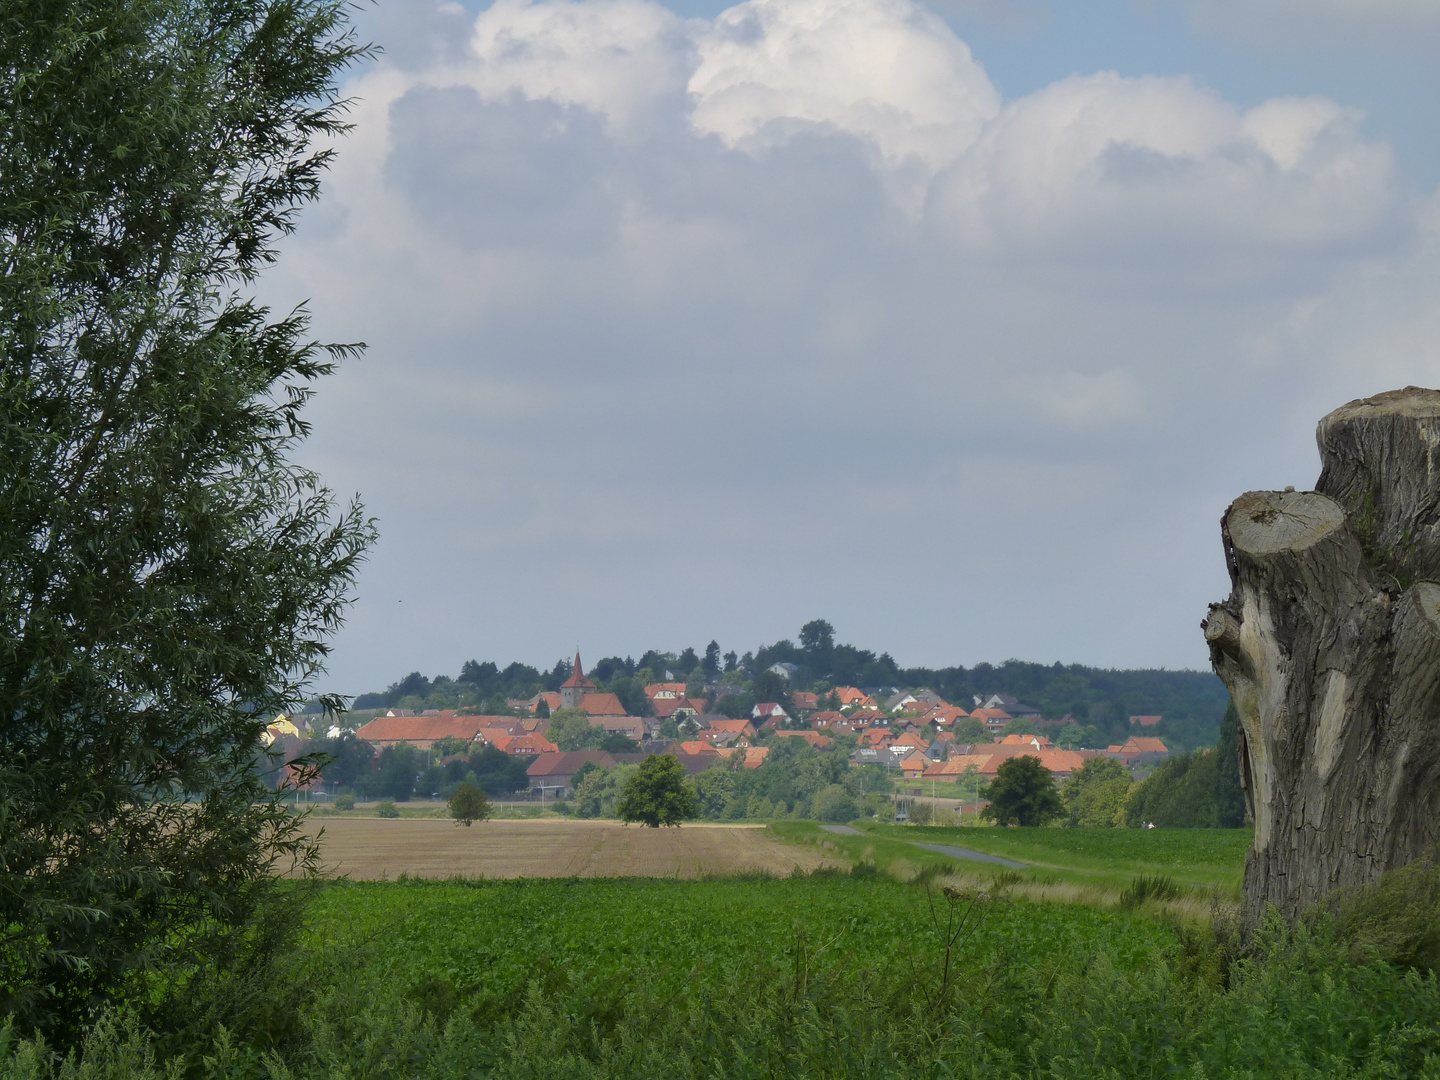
(522, 745)
(875, 755)
(987, 761)
(755, 756)
(665, 691)
(992, 718)
(601, 705)
(818, 741)
(943, 715)
(492, 732)
(632, 727)
(868, 715)
(852, 697)
(551, 774)
(804, 701)
(902, 699)
(732, 728)
(876, 736)
(422, 732)
(1140, 750)
(1039, 742)
(913, 764)
(692, 747)
(1007, 703)
(1144, 721)
(910, 740)
(831, 719)
(783, 669)
(551, 699)
(767, 709)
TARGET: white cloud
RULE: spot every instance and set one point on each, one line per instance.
(1103, 160)
(615, 57)
(888, 71)
(660, 345)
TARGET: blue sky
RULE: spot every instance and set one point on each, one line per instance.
(958, 327)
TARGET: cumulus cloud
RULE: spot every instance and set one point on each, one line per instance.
(1098, 159)
(669, 317)
(887, 71)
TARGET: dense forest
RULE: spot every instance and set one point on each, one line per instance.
(1191, 702)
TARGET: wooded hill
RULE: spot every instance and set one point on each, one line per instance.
(1191, 702)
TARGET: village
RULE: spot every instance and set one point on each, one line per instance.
(915, 736)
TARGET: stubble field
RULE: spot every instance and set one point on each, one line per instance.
(376, 849)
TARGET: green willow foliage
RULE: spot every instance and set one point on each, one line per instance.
(168, 578)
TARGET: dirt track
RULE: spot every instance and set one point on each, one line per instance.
(371, 849)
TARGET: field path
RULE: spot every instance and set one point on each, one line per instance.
(373, 849)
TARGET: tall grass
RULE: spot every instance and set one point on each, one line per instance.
(1293, 1004)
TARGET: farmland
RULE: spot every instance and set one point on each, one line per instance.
(372, 849)
(1103, 858)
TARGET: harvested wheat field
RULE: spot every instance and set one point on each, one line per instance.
(372, 849)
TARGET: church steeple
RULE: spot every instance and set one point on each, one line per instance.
(575, 688)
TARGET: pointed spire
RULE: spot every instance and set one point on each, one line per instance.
(578, 679)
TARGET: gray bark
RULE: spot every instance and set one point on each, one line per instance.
(1330, 645)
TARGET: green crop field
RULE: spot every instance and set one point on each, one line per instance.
(489, 938)
(1103, 858)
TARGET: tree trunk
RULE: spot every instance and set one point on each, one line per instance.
(1330, 645)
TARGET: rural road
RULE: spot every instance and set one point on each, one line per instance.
(941, 849)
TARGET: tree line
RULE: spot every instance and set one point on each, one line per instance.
(1099, 700)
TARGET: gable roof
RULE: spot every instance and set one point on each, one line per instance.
(524, 744)
(1143, 744)
(602, 705)
(672, 689)
(755, 756)
(394, 729)
(567, 763)
(731, 725)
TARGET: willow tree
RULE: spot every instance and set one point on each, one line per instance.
(1330, 645)
(168, 576)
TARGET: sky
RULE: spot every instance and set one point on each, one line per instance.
(957, 325)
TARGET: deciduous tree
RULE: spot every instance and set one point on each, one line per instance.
(1022, 793)
(658, 793)
(168, 576)
(469, 804)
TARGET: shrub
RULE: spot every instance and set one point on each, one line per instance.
(345, 801)
(1148, 887)
(388, 809)
(1395, 919)
(834, 803)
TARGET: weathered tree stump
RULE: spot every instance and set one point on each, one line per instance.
(1330, 645)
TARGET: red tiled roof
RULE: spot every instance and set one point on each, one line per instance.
(1145, 721)
(601, 705)
(803, 699)
(755, 756)
(1141, 744)
(394, 729)
(991, 715)
(697, 747)
(676, 688)
(731, 725)
(525, 744)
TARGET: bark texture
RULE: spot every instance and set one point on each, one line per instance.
(1330, 645)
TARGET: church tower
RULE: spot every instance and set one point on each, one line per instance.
(575, 687)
